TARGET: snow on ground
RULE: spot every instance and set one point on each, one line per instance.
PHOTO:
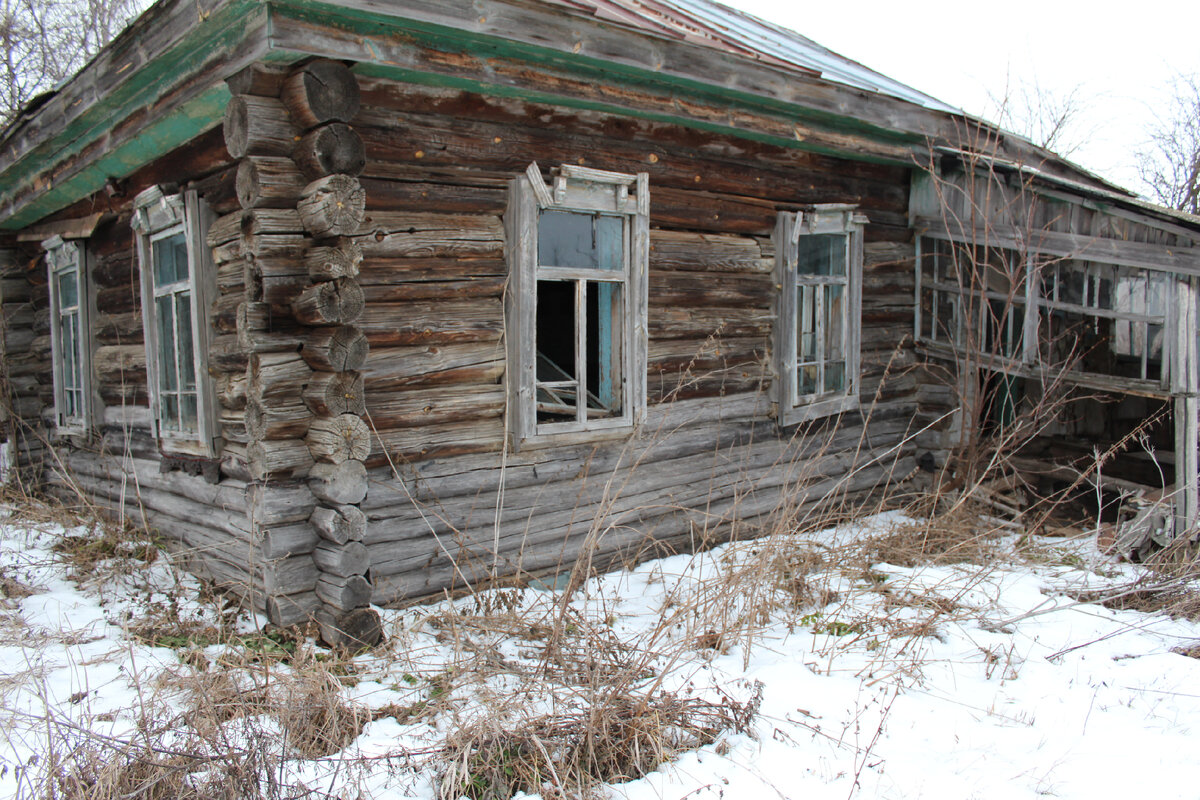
(875, 680)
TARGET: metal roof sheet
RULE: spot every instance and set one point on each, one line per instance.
(720, 27)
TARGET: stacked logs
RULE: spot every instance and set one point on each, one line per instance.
(304, 407)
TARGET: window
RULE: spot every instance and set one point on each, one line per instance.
(576, 305)
(177, 282)
(819, 264)
(1021, 313)
(70, 335)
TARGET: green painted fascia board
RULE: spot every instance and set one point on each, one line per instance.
(448, 39)
(500, 90)
(155, 140)
(224, 29)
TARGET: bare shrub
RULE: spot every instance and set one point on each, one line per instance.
(607, 738)
(316, 719)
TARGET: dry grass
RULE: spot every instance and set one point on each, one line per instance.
(607, 738)
(1170, 585)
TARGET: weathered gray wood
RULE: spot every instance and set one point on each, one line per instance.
(332, 206)
(336, 439)
(286, 610)
(276, 504)
(281, 541)
(289, 575)
(344, 593)
(434, 322)
(330, 150)
(428, 235)
(388, 368)
(321, 91)
(277, 376)
(258, 126)
(343, 560)
(339, 484)
(330, 263)
(268, 181)
(280, 458)
(330, 303)
(413, 408)
(281, 420)
(331, 393)
(339, 525)
(351, 631)
(339, 349)
(260, 79)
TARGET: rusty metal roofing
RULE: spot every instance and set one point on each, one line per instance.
(713, 25)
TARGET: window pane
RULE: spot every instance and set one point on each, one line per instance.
(187, 364)
(164, 310)
(821, 255)
(835, 376)
(807, 380)
(170, 412)
(188, 412)
(835, 327)
(170, 260)
(580, 241)
(68, 289)
(806, 324)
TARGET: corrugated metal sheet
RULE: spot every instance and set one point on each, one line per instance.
(720, 27)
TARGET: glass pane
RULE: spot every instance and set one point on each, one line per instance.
(580, 241)
(68, 289)
(188, 412)
(806, 323)
(170, 412)
(835, 326)
(164, 310)
(821, 255)
(170, 260)
(807, 381)
(187, 364)
(835, 376)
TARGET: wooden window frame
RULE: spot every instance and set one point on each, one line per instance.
(824, 219)
(1031, 308)
(583, 190)
(64, 257)
(160, 214)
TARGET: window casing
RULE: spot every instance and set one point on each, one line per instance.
(818, 257)
(177, 286)
(1020, 313)
(576, 303)
(70, 335)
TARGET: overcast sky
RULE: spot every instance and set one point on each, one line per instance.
(1121, 56)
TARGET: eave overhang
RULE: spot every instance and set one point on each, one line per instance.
(161, 83)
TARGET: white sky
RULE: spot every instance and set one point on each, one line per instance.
(1122, 56)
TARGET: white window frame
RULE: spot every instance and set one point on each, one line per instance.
(159, 214)
(824, 219)
(583, 190)
(63, 258)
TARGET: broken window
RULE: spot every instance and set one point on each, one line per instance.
(177, 277)
(70, 337)
(1097, 320)
(577, 300)
(820, 265)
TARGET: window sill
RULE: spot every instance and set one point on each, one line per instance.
(817, 409)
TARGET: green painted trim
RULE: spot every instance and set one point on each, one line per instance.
(224, 30)
(499, 90)
(370, 24)
(154, 141)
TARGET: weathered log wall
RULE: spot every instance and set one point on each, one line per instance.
(359, 363)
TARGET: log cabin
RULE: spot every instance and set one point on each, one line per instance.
(356, 302)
